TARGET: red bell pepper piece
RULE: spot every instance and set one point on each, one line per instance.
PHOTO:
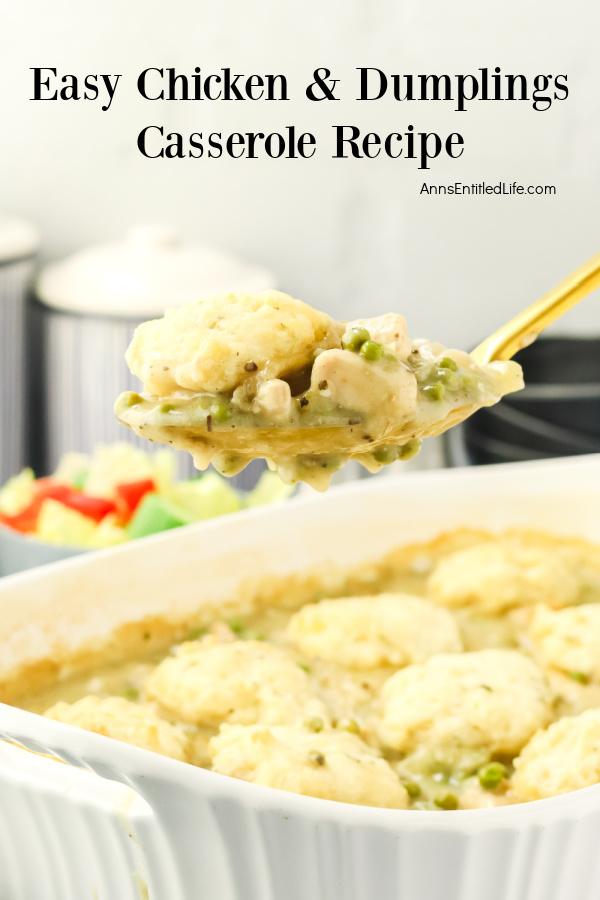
(130, 495)
(26, 520)
(95, 508)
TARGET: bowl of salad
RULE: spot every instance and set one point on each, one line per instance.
(116, 494)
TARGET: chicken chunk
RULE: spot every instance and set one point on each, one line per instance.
(351, 383)
(274, 399)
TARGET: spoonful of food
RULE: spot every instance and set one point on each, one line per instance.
(245, 376)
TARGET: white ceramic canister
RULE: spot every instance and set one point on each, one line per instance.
(89, 305)
(18, 246)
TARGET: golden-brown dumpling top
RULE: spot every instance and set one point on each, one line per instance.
(371, 632)
(496, 576)
(332, 765)
(563, 757)
(240, 682)
(492, 700)
(215, 344)
(123, 720)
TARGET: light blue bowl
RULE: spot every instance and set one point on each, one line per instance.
(18, 552)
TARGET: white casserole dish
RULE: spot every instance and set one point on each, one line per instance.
(133, 824)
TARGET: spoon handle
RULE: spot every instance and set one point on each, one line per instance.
(526, 326)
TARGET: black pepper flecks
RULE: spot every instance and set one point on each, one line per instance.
(318, 759)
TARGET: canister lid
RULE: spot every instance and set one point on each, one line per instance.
(18, 239)
(144, 274)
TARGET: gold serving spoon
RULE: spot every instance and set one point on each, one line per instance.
(523, 329)
(526, 326)
(308, 446)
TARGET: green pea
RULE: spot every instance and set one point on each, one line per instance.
(315, 724)
(316, 758)
(491, 775)
(409, 450)
(305, 667)
(371, 350)
(434, 391)
(412, 789)
(449, 378)
(131, 693)
(132, 399)
(448, 363)
(354, 338)
(385, 455)
(220, 410)
(446, 801)
(580, 677)
(350, 725)
(165, 408)
(195, 633)
(237, 627)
